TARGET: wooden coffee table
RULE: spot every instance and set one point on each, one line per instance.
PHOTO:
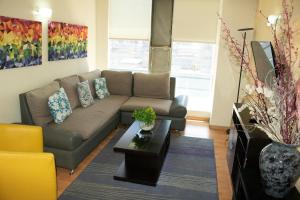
(144, 157)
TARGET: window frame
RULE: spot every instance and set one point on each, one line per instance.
(191, 112)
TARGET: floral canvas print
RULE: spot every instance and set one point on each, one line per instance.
(66, 41)
(20, 43)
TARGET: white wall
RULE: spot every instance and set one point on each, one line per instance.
(102, 33)
(15, 81)
(130, 19)
(195, 20)
(238, 14)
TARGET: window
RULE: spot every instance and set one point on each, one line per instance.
(128, 54)
(129, 33)
(192, 67)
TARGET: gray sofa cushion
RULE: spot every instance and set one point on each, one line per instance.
(90, 76)
(38, 103)
(87, 121)
(160, 106)
(61, 139)
(69, 83)
(118, 83)
(152, 85)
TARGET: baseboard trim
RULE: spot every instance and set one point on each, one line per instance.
(219, 128)
(196, 118)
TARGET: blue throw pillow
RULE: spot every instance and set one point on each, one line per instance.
(59, 106)
(101, 88)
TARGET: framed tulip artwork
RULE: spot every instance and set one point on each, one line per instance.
(66, 41)
(20, 43)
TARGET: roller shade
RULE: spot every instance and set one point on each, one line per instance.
(195, 20)
(161, 36)
(130, 19)
(162, 18)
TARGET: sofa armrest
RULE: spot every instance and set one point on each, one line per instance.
(61, 139)
(178, 107)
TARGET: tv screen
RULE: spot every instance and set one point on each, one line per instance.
(264, 59)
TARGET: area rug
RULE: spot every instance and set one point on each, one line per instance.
(188, 173)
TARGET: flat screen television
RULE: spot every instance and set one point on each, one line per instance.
(264, 58)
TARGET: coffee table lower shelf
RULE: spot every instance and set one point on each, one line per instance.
(140, 176)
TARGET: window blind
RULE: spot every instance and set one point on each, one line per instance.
(195, 20)
(130, 19)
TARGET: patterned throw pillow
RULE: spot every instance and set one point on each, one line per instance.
(101, 88)
(85, 94)
(59, 106)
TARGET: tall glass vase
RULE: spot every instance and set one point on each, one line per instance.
(280, 168)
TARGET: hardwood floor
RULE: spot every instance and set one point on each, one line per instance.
(193, 129)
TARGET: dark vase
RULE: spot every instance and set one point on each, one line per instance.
(279, 168)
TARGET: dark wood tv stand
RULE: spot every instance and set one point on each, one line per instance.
(244, 146)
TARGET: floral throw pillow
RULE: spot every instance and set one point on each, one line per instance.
(59, 106)
(85, 94)
(101, 88)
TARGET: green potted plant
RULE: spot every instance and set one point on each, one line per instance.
(146, 117)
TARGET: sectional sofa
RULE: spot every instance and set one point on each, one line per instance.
(82, 131)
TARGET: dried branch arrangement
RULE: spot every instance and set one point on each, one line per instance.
(273, 106)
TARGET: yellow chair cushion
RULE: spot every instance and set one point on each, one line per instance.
(26, 173)
(27, 176)
(21, 138)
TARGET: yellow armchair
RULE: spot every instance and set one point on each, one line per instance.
(26, 173)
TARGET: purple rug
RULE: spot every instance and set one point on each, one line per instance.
(188, 173)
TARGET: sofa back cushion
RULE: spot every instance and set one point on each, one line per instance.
(69, 83)
(37, 101)
(118, 83)
(152, 85)
(90, 76)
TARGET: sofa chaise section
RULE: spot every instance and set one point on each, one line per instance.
(157, 91)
